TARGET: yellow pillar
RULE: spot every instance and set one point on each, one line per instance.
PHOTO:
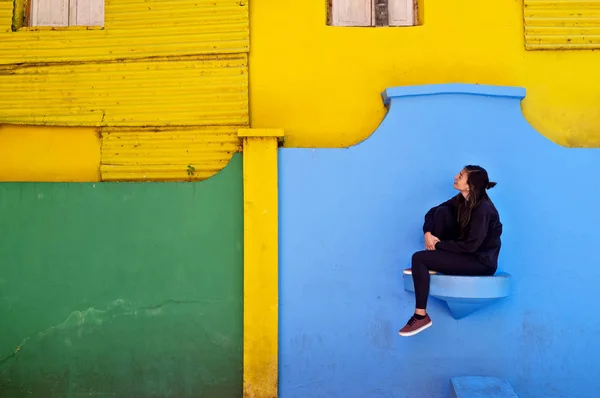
(260, 261)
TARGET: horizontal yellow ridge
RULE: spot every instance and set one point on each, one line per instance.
(134, 29)
(562, 25)
(190, 91)
(166, 154)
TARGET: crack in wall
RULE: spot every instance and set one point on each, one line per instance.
(96, 317)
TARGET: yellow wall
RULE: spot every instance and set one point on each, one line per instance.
(322, 84)
(168, 77)
(49, 153)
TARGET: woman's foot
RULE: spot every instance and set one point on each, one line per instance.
(416, 324)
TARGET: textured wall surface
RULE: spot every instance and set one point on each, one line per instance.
(168, 65)
(155, 62)
(561, 24)
(122, 290)
(350, 220)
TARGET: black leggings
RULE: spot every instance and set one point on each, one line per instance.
(444, 227)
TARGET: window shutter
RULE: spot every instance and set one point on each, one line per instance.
(86, 13)
(401, 12)
(351, 13)
(50, 13)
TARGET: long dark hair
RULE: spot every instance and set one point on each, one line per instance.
(479, 183)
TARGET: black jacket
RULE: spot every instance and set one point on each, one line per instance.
(482, 234)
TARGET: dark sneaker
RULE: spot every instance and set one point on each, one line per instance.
(415, 326)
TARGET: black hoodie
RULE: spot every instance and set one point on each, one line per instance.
(482, 234)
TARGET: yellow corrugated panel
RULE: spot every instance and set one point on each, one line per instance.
(6, 14)
(137, 28)
(198, 90)
(166, 154)
(562, 25)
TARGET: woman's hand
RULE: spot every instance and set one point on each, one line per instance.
(430, 241)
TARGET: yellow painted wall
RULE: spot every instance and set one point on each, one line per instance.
(49, 153)
(322, 84)
(169, 77)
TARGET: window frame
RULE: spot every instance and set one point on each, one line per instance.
(380, 11)
(26, 20)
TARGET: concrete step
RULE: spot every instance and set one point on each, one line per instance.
(480, 387)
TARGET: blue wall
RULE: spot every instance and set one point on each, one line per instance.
(351, 218)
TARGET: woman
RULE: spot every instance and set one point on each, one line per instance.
(462, 237)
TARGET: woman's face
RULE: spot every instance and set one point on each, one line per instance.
(460, 181)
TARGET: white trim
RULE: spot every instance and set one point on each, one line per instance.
(63, 13)
(401, 12)
(352, 13)
(50, 13)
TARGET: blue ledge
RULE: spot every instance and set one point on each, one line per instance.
(455, 88)
(480, 387)
(465, 294)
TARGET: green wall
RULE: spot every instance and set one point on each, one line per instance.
(122, 289)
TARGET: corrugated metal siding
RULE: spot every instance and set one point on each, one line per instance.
(166, 154)
(197, 90)
(562, 25)
(156, 63)
(138, 28)
(6, 14)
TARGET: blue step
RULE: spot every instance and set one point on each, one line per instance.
(465, 294)
(480, 387)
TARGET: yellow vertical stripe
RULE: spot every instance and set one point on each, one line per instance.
(260, 262)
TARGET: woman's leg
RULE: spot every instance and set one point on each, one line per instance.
(445, 263)
(440, 261)
(445, 226)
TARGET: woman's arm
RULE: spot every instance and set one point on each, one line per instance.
(480, 220)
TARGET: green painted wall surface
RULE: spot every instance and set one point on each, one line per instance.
(122, 289)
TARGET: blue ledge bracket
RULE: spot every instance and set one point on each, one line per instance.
(480, 387)
(464, 294)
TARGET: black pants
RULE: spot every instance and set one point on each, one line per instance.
(445, 227)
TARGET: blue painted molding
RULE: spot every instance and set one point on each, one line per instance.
(454, 88)
(465, 294)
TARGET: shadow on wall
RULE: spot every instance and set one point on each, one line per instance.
(351, 218)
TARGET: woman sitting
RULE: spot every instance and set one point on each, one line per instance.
(462, 237)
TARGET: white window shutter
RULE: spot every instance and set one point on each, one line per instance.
(351, 12)
(86, 13)
(401, 12)
(50, 13)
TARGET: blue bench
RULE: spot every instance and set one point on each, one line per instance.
(464, 294)
(480, 387)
